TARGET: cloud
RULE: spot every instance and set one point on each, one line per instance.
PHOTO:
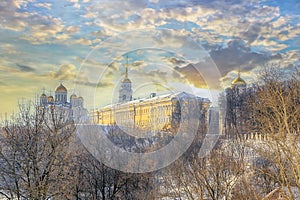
(10, 18)
(72, 29)
(175, 61)
(83, 41)
(291, 57)
(6, 69)
(8, 48)
(44, 5)
(94, 85)
(45, 29)
(214, 22)
(40, 27)
(252, 32)
(82, 79)
(25, 68)
(153, 1)
(138, 63)
(75, 3)
(92, 70)
(192, 75)
(237, 55)
(101, 33)
(270, 45)
(140, 77)
(236, 33)
(66, 72)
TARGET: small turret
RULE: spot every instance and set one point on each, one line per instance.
(73, 100)
(43, 99)
(80, 101)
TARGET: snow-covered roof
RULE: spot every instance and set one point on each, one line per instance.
(180, 95)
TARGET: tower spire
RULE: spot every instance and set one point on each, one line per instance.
(125, 91)
(126, 73)
(239, 72)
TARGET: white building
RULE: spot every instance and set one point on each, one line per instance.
(74, 108)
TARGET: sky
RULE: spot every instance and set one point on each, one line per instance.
(169, 45)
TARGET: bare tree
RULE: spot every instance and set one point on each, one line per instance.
(35, 154)
(276, 115)
(94, 180)
(213, 177)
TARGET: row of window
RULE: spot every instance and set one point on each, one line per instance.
(61, 97)
(160, 109)
(148, 122)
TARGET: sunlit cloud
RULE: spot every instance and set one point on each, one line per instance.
(66, 72)
(76, 40)
(44, 5)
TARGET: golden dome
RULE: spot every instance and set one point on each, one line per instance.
(238, 81)
(80, 98)
(61, 88)
(50, 98)
(43, 95)
(73, 96)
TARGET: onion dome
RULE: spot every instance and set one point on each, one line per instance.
(43, 95)
(73, 96)
(80, 98)
(50, 98)
(61, 88)
(238, 80)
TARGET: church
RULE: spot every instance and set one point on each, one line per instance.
(73, 108)
(232, 107)
(153, 113)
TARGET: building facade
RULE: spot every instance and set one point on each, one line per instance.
(154, 113)
(163, 112)
(73, 109)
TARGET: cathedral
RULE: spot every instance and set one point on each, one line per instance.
(153, 113)
(74, 108)
(61, 98)
(232, 107)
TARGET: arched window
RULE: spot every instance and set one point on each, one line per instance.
(124, 97)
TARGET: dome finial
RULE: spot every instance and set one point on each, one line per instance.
(126, 79)
(238, 80)
(61, 88)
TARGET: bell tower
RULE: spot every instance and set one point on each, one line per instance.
(125, 91)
